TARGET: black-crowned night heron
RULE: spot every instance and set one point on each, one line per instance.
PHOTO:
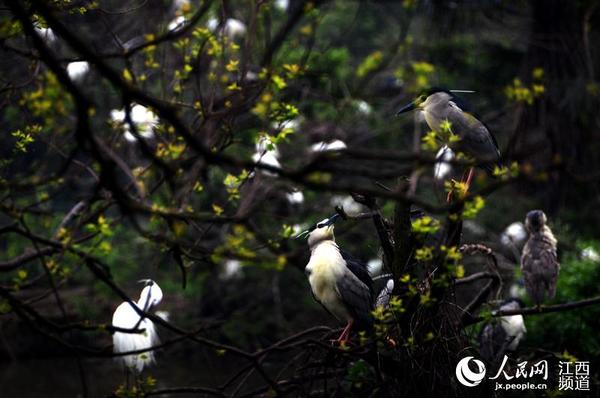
(126, 317)
(539, 261)
(340, 283)
(442, 107)
(505, 335)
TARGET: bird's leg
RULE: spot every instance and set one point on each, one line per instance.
(345, 333)
(469, 178)
(466, 180)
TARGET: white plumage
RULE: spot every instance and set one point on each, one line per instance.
(144, 119)
(47, 34)
(515, 234)
(325, 267)
(335, 145)
(77, 70)
(514, 326)
(442, 166)
(126, 317)
(176, 24)
(266, 154)
(295, 197)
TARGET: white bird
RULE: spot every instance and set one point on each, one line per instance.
(374, 266)
(363, 107)
(335, 145)
(47, 34)
(351, 207)
(126, 317)
(282, 4)
(176, 24)
(442, 166)
(77, 70)
(232, 269)
(515, 234)
(144, 119)
(295, 197)
(266, 154)
(232, 28)
(589, 253)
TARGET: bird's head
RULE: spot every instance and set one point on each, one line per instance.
(321, 231)
(151, 295)
(432, 96)
(535, 221)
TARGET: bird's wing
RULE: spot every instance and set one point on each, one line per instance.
(491, 342)
(476, 139)
(358, 268)
(356, 294)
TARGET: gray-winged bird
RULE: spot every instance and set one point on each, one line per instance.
(539, 261)
(340, 283)
(440, 106)
(497, 338)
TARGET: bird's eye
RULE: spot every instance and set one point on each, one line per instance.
(320, 225)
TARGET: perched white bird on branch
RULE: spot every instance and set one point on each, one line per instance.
(126, 317)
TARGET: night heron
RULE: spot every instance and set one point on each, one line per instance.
(340, 283)
(126, 317)
(539, 261)
(442, 109)
(505, 335)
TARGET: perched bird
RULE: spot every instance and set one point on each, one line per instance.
(176, 23)
(335, 145)
(442, 166)
(497, 338)
(539, 261)
(126, 317)
(340, 283)
(143, 118)
(77, 70)
(266, 154)
(514, 235)
(442, 109)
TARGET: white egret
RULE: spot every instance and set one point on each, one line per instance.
(144, 119)
(77, 70)
(126, 317)
(335, 145)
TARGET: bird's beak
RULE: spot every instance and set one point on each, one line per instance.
(407, 108)
(332, 219)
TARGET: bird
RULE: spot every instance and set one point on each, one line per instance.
(438, 106)
(331, 146)
(266, 154)
(340, 283)
(497, 338)
(77, 70)
(539, 261)
(143, 118)
(126, 317)
(442, 166)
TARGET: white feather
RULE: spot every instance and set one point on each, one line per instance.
(514, 326)
(125, 316)
(335, 145)
(442, 167)
(77, 70)
(514, 234)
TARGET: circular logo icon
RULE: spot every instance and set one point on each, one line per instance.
(466, 376)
